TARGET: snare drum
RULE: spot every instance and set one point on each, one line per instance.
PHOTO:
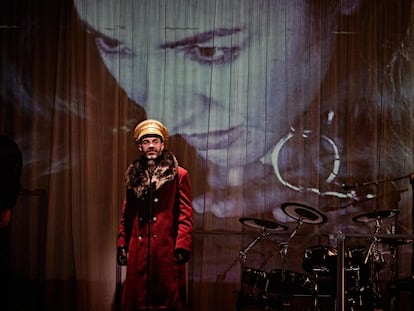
(270, 290)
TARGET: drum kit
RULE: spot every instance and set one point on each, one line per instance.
(354, 271)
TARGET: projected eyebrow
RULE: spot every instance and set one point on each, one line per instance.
(195, 48)
(97, 33)
(201, 38)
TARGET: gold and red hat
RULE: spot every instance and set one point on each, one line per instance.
(150, 127)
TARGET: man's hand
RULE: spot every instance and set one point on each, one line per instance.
(122, 256)
(181, 256)
(5, 216)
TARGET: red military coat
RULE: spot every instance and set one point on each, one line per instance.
(170, 229)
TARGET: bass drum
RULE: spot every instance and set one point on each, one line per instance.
(289, 283)
(272, 290)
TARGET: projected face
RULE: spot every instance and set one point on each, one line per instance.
(226, 80)
(230, 78)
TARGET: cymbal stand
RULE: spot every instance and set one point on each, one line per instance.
(393, 273)
(393, 250)
(411, 179)
(373, 252)
(374, 244)
(243, 251)
(284, 246)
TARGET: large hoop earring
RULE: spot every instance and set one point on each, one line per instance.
(329, 179)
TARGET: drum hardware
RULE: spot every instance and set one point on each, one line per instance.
(373, 248)
(376, 257)
(271, 290)
(392, 285)
(243, 252)
(274, 288)
(255, 282)
(394, 242)
(267, 227)
(359, 199)
(353, 278)
(320, 261)
(346, 295)
(376, 216)
(345, 271)
(284, 246)
(373, 254)
(302, 214)
(410, 177)
(393, 295)
(262, 224)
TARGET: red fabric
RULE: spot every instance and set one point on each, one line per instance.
(171, 228)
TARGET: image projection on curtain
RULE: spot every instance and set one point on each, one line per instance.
(250, 88)
(278, 99)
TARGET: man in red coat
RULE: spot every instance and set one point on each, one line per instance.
(155, 231)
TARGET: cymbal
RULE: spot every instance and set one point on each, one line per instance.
(395, 242)
(376, 215)
(262, 224)
(303, 213)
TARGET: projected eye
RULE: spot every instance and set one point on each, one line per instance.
(112, 47)
(211, 55)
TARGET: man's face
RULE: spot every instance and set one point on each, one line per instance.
(151, 146)
(230, 78)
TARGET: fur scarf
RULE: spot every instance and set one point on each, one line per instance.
(138, 180)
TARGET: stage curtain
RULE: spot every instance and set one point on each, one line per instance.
(268, 103)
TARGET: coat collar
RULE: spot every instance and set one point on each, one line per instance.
(165, 171)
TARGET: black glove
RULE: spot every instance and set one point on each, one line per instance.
(181, 256)
(122, 256)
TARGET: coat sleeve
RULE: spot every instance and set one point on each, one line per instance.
(185, 211)
(125, 226)
(122, 235)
